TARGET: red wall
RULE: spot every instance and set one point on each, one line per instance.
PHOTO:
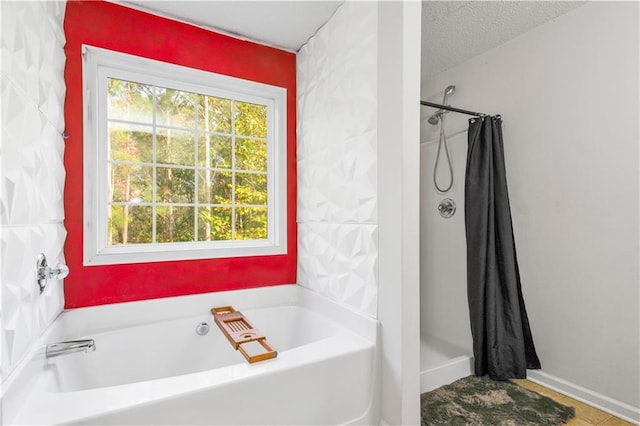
(126, 30)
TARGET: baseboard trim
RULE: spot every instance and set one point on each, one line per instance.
(599, 401)
(446, 373)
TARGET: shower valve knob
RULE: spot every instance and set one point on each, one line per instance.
(44, 272)
(447, 208)
(59, 271)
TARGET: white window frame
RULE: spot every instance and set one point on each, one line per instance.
(100, 64)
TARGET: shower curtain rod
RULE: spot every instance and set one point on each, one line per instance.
(450, 108)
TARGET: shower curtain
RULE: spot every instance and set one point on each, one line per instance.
(502, 343)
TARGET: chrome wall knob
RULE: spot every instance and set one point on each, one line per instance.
(44, 272)
(447, 208)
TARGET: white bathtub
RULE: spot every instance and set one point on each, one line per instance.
(150, 366)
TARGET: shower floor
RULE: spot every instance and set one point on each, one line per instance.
(442, 362)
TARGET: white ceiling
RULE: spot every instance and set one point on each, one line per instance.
(284, 24)
(452, 31)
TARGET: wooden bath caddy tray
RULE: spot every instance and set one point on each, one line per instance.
(242, 335)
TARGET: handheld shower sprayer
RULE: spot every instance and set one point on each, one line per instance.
(448, 91)
(435, 118)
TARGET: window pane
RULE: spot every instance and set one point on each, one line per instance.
(218, 149)
(175, 185)
(214, 114)
(251, 223)
(174, 147)
(251, 188)
(175, 108)
(129, 101)
(251, 154)
(251, 120)
(131, 184)
(174, 224)
(130, 143)
(214, 223)
(215, 187)
(130, 225)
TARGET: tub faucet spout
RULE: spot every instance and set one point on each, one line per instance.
(63, 348)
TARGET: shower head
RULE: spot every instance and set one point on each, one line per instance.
(448, 91)
(435, 118)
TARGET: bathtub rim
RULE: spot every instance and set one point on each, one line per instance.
(16, 387)
(83, 405)
(75, 373)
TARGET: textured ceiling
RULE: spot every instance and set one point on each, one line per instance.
(454, 31)
(284, 24)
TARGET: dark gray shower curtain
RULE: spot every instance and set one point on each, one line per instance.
(502, 343)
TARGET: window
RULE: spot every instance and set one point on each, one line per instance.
(180, 163)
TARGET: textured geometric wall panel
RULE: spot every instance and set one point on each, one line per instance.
(340, 262)
(32, 172)
(337, 158)
(26, 313)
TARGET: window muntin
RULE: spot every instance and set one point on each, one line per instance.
(183, 170)
(199, 162)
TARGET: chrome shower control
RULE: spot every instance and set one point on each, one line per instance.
(447, 208)
(44, 272)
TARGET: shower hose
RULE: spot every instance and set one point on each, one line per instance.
(442, 141)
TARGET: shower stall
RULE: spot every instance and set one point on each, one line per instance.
(446, 344)
(471, 258)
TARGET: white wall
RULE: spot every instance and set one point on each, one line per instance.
(399, 208)
(358, 166)
(337, 158)
(444, 311)
(568, 94)
(32, 172)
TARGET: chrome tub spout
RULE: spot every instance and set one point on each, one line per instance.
(63, 348)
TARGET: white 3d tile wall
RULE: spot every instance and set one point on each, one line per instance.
(337, 158)
(31, 172)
